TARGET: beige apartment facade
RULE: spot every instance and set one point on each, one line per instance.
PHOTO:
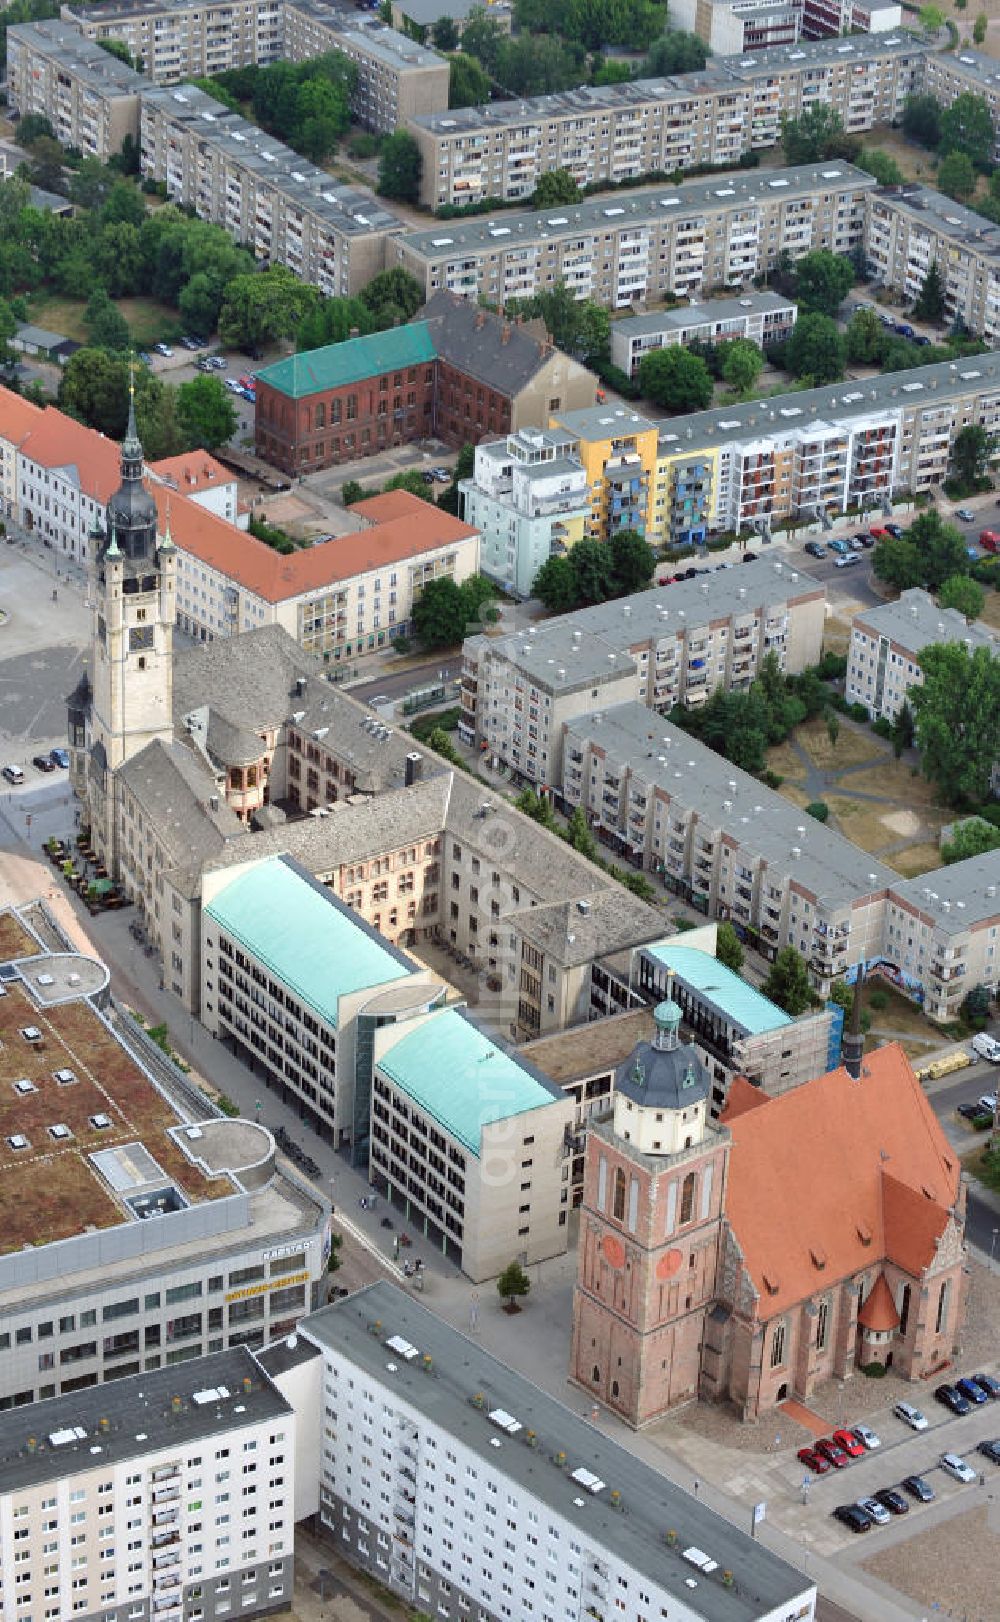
(266, 196)
(910, 228)
(620, 132)
(883, 660)
(90, 98)
(397, 78)
(948, 74)
(646, 245)
(187, 41)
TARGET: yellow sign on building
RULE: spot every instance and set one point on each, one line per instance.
(279, 1283)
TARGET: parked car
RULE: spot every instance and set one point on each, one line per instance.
(974, 1112)
(924, 343)
(952, 1399)
(867, 1437)
(854, 1517)
(813, 1461)
(989, 1450)
(966, 514)
(191, 343)
(845, 563)
(988, 1103)
(850, 1444)
(832, 1453)
(218, 363)
(879, 1514)
(164, 350)
(442, 474)
(911, 1416)
(13, 774)
(427, 475)
(892, 1499)
(840, 547)
(971, 1391)
(919, 1489)
(815, 550)
(233, 386)
(957, 1467)
(986, 1047)
(45, 763)
(867, 541)
(249, 394)
(987, 1383)
(879, 532)
(896, 530)
(204, 365)
(749, 557)
(61, 757)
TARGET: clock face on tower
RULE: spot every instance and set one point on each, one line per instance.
(140, 637)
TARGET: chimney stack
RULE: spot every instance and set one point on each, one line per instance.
(505, 333)
(413, 768)
(853, 1043)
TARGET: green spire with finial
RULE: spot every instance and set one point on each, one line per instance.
(167, 543)
(132, 445)
(113, 550)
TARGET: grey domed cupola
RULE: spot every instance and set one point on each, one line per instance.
(667, 1018)
(131, 513)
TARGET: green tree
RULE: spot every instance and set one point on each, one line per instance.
(537, 807)
(865, 338)
(445, 34)
(159, 427)
(440, 614)
(742, 364)
(119, 49)
(632, 562)
(816, 134)
(823, 281)
(205, 412)
(8, 327)
(512, 1284)
(927, 555)
(816, 349)
(399, 168)
(539, 65)
(922, 119)
(31, 127)
(956, 177)
(957, 720)
(93, 387)
(555, 585)
(675, 380)
(45, 162)
(484, 39)
(897, 562)
(878, 163)
(579, 836)
(199, 303)
(591, 565)
(974, 837)
(962, 594)
(106, 326)
(264, 306)
(931, 19)
(468, 81)
(728, 948)
(967, 126)
(675, 52)
(351, 491)
(788, 984)
(971, 452)
(833, 727)
(392, 291)
(412, 482)
(929, 303)
(555, 187)
(979, 28)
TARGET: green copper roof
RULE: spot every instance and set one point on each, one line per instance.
(306, 937)
(336, 365)
(738, 1001)
(462, 1078)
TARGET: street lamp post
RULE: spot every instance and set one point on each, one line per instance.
(993, 1245)
(256, 1106)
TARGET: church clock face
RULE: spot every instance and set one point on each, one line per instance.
(140, 638)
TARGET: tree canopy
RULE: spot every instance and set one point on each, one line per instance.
(635, 23)
(399, 168)
(788, 982)
(675, 52)
(957, 720)
(577, 326)
(554, 187)
(468, 81)
(927, 555)
(967, 127)
(675, 380)
(205, 411)
(263, 306)
(594, 571)
(823, 281)
(929, 302)
(816, 349)
(922, 119)
(307, 104)
(445, 613)
(956, 176)
(742, 363)
(974, 837)
(963, 594)
(817, 133)
(728, 948)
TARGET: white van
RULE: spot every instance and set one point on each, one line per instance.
(987, 1047)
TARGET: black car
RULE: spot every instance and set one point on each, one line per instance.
(43, 762)
(919, 1489)
(814, 549)
(972, 1391)
(990, 1450)
(986, 1383)
(867, 541)
(892, 1499)
(690, 574)
(749, 557)
(972, 1112)
(895, 530)
(853, 1516)
(952, 1398)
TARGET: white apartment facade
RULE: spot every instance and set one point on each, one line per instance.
(910, 228)
(659, 648)
(763, 318)
(174, 1500)
(730, 27)
(90, 98)
(528, 499)
(267, 197)
(649, 244)
(647, 126)
(178, 42)
(883, 660)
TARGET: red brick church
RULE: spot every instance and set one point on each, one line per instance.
(799, 1238)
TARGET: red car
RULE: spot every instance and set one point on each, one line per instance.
(813, 1461)
(850, 1444)
(832, 1453)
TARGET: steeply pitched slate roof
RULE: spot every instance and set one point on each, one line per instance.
(335, 365)
(496, 352)
(837, 1175)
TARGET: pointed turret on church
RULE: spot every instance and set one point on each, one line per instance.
(130, 698)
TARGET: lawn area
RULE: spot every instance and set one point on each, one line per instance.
(991, 610)
(836, 635)
(863, 824)
(149, 321)
(784, 760)
(901, 1016)
(853, 746)
(915, 859)
(797, 795)
(895, 780)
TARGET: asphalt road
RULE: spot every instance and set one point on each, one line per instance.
(396, 686)
(982, 1215)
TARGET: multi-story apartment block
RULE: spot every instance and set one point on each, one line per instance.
(910, 228)
(456, 375)
(646, 245)
(618, 451)
(471, 1140)
(417, 17)
(267, 197)
(397, 78)
(90, 98)
(764, 318)
(948, 74)
(883, 661)
(529, 500)
(140, 1226)
(730, 27)
(175, 1499)
(660, 648)
(528, 1468)
(170, 43)
(942, 934)
(620, 132)
(825, 19)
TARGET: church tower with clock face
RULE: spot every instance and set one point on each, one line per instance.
(132, 596)
(650, 1224)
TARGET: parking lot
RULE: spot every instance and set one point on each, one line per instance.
(181, 365)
